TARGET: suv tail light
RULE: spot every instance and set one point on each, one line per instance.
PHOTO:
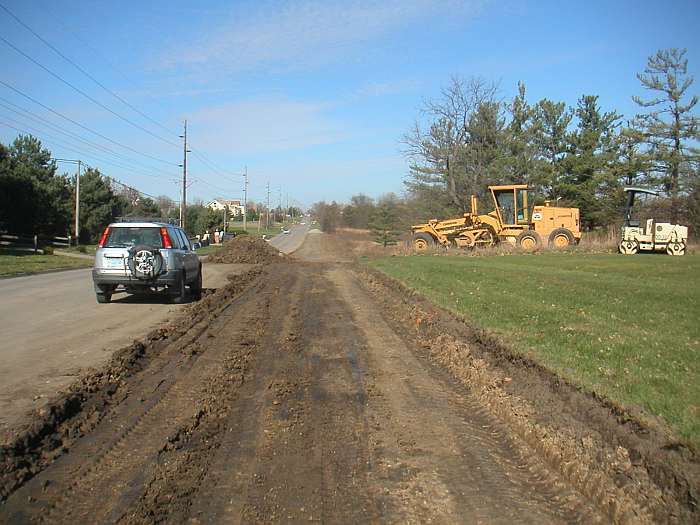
(165, 237)
(103, 239)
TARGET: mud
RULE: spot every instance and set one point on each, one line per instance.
(313, 391)
(73, 414)
(638, 473)
(247, 250)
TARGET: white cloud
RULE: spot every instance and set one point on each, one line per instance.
(262, 126)
(304, 33)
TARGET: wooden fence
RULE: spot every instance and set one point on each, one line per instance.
(32, 243)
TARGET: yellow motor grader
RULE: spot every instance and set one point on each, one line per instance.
(511, 221)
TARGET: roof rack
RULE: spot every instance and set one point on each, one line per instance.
(166, 220)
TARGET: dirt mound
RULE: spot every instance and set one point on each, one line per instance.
(245, 249)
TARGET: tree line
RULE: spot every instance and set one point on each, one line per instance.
(582, 156)
(579, 156)
(36, 199)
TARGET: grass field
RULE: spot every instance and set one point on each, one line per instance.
(14, 262)
(88, 249)
(208, 250)
(626, 327)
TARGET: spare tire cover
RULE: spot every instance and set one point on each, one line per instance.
(145, 262)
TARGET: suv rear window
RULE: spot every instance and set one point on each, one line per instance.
(123, 237)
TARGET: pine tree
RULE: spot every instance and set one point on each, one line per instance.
(384, 223)
(550, 135)
(99, 205)
(590, 180)
(669, 128)
(518, 161)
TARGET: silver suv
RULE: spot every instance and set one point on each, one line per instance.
(146, 257)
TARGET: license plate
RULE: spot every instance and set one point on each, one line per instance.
(113, 262)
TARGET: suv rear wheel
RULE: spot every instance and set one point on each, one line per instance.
(196, 287)
(104, 294)
(180, 295)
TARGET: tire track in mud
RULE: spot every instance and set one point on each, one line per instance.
(437, 454)
(300, 400)
(291, 460)
(228, 472)
(192, 475)
(104, 471)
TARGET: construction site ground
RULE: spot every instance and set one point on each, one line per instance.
(310, 389)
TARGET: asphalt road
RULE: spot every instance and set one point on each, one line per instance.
(291, 241)
(52, 327)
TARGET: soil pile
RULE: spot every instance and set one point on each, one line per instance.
(245, 249)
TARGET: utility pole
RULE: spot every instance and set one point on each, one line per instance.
(77, 206)
(267, 221)
(183, 201)
(245, 199)
(77, 196)
(279, 192)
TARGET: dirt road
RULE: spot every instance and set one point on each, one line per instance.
(52, 328)
(290, 399)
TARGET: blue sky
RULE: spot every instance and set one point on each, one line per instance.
(312, 96)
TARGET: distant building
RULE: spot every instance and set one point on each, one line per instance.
(234, 206)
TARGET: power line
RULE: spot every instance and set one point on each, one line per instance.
(59, 114)
(213, 166)
(116, 181)
(84, 72)
(77, 89)
(63, 131)
(70, 147)
(199, 155)
(217, 188)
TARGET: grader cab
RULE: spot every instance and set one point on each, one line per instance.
(513, 220)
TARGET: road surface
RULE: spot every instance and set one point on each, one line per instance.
(52, 328)
(290, 242)
(296, 403)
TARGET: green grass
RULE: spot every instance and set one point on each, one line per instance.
(625, 327)
(16, 262)
(88, 249)
(269, 232)
(208, 250)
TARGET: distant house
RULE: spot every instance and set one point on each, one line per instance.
(234, 206)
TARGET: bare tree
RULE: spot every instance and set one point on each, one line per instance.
(448, 154)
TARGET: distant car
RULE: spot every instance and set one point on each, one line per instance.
(146, 257)
(227, 237)
(285, 230)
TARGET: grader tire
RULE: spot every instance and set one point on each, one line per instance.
(561, 238)
(529, 240)
(422, 242)
(488, 238)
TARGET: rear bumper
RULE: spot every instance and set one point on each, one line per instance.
(169, 278)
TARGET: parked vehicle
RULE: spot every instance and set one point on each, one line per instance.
(657, 236)
(512, 220)
(227, 237)
(146, 257)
